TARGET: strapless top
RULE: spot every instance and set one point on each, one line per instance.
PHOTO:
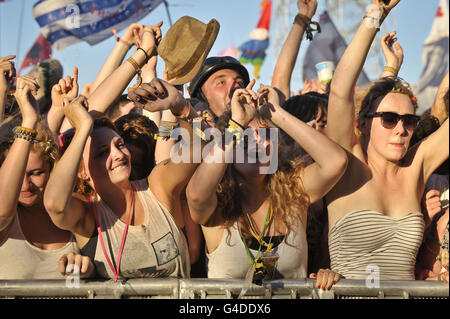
(368, 243)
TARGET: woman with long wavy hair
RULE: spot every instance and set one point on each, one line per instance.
(247, 215)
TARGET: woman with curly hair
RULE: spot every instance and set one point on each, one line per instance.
(375, 218)
(246, 215)
(31, 246)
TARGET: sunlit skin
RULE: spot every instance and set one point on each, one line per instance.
(219, 88)
(248, 169)
(106, 158)
(391, 144)
(34, 181)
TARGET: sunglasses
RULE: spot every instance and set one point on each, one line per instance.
(389, 120)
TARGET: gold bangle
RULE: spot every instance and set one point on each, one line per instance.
(391, 69)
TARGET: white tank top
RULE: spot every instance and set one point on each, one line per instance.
(157, 248)
(230, 260)
(20, 260)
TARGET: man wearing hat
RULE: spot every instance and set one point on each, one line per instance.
(216, 81)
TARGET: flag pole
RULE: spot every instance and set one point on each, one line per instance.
(19, 37)
(168, 12)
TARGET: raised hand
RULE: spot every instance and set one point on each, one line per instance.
(307, 7)
(27, 86)
(151, 37)
(65, 88)
(394, 58)
(158, 95)
(130, 35)
(268, 101)
(7, 72)
(244, 105)
(76, 264)
(385, 5)
(77, 114)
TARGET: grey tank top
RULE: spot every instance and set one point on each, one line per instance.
(364, 243)
(230, 260)
(20, 260)
(157, 248)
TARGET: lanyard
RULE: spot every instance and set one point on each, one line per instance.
(259, 238)
(99, 230)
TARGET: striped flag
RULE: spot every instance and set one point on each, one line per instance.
(66, 22)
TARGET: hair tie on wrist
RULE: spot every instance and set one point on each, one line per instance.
(146, 55)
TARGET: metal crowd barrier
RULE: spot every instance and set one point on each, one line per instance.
(219, 289)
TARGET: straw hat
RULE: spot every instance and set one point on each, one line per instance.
(186, 46)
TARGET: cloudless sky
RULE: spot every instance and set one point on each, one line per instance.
(237, 19)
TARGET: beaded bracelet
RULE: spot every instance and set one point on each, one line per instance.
(25, 133)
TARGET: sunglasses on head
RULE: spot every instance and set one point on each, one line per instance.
(389, 120)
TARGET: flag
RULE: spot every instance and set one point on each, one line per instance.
(41, 50)
(253, 51)
(328, 45)
(434, 58)
(230, 51)
(66, 22)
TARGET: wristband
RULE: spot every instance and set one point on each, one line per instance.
(391, 69)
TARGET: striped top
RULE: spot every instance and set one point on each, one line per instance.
(365, 241)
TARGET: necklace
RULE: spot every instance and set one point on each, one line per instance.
(99, 230)
(260, 237)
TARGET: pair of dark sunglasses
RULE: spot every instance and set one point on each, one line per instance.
(389, 120)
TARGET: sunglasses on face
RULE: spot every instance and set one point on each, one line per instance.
(389, 120)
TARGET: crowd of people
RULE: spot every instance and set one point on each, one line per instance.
(93, 181)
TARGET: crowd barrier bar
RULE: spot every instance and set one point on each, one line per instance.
(219, 289)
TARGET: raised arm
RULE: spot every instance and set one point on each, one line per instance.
(330, 160)
(201, 190)
(282, 73)
(341, 115)
(7, 73)
(66, 211)
(119, 52)
(13, 168)
(65, 88)
(393, 57)
(439, 108)
(113, 86)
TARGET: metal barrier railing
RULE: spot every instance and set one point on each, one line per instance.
(220, 289)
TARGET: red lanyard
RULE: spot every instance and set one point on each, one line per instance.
(99, 230)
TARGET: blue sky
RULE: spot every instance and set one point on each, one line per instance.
(237, 19)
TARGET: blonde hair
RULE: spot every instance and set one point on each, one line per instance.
(284, 189)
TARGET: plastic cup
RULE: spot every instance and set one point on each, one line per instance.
(325, 71)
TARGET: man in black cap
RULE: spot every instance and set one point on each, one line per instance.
(216, 82)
